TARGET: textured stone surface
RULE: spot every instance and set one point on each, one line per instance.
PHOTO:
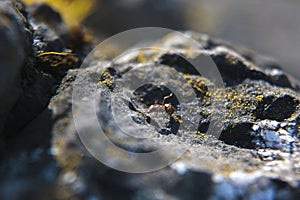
(14, 42)
(36, 55)
(28, 81)
(255, 157)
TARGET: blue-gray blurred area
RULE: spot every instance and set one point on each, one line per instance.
(271, 27)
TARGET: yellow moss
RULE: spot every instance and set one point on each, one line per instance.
(147, 55)
(177, 118)
(228, 96)
(200, 135)
(190, 82)
(231, 60)
(259, 97)
(186, 76)
(198, 88)
(106, 80)
(219, 96)
(208, 94)
(198, 84)
(140, 58)
(72, 11)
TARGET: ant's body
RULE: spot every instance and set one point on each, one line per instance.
(158, 108)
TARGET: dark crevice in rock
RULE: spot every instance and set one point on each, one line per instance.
(277, 109)
(203, 127)
(151, 94)
(259, 111)
(233, 70)
(34, 100)
(173, 125)
(239, 136)
(179, 63)
(264, 63)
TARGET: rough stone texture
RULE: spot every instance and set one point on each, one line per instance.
(258, 158)
(31, 72)
(28, 81)
(255, 157)
(13, 44)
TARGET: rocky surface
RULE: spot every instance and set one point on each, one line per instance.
(31, 47)
(36, 51)
(14, 42)
(256, 155)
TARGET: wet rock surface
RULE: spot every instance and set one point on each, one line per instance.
(256, 155)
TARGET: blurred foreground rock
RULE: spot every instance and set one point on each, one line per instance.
(255, 157)
(37, 48)
(15, 39)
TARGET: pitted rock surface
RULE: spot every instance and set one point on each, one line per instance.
(256, 155)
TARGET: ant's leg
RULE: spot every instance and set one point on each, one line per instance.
(165, 98)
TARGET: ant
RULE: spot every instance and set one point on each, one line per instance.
(167, 107)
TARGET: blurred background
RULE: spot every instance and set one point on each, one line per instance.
(270, 27)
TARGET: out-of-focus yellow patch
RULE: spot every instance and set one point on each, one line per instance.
(72, 11)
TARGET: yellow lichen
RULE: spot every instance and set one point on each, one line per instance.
(199, 84)
(177, 118)
(186, 76)
(107, 80)
(259, 97)
(200, 135)
(141, 58)
(147, 55)
(72, 11)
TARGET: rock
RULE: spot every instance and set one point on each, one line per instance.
(44, 59)
(29, 80)
(13, 46)
(255, 155)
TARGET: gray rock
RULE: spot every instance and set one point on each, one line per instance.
(256, 156)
